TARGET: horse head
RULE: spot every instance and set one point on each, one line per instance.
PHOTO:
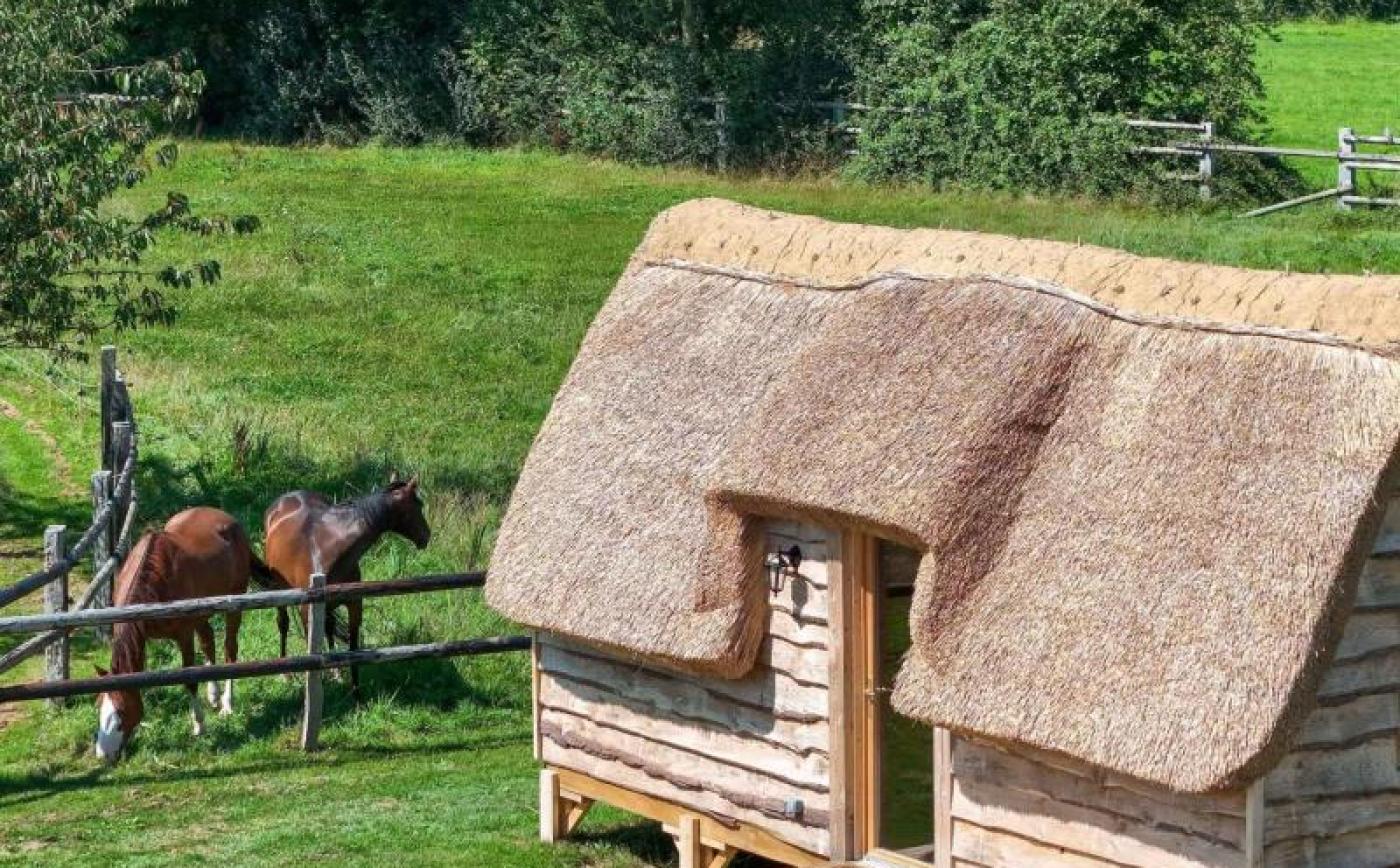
(119, 712)
(406, 511)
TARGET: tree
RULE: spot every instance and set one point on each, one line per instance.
(74, 130)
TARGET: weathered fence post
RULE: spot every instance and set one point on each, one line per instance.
(315, 639)
(1346, 171)
(722, 131)
(121, 447)
(55, 601)
(109, 376)
(1207, 162)
(103, 547)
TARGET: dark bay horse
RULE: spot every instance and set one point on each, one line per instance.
(200, 552)
(306, 533)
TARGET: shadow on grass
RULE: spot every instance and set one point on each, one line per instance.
(16, 790)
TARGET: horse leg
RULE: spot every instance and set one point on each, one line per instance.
(329, 633)
(205, 632)
(186, 643)
(284, 623)
(355, 610)
(232, 621)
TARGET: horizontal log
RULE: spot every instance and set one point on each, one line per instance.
(1375, 673)
(772, 692)
(767, 798)
(1087, 830)
(1372, 848)
(1368, 633)
(660, 694)
(1328, 818)
(1371, 766)
(1202, 816)
(727, 748)
(1329, 727)
(975, 845)
(260, 668)
(206, 606)
(26, 649)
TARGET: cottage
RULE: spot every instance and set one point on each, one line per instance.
(925, 547)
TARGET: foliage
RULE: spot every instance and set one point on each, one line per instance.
(1010, 93)
(74, 130)
(1380, 10)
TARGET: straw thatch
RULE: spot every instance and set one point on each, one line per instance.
(1141, 530)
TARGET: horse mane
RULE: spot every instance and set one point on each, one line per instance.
(146, 569)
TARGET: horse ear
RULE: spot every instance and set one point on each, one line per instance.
(413, 483)
(394, 477)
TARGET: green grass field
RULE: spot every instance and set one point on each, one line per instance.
(1322, 76)
(415, 310)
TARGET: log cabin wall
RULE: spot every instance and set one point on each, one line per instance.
(746, 749)
(1018, 807)
(1334, 800)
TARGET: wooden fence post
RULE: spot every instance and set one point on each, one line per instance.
(102, 547)
(722, 131)
(1346, 172)
(109, 376)
(315, 638)
(1207, 162)
(121, 447)
(56, 600)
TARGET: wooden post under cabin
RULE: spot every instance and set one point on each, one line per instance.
(315, 639)
(102, 548)
(56, 600)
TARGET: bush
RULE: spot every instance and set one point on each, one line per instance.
(1014, 93)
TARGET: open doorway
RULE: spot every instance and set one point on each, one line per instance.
(894, 755)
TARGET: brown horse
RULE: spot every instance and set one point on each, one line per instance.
(306, 534)
(201, 552)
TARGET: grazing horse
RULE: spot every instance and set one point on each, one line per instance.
(200, 552)
(306, 534)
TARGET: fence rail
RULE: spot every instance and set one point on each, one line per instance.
(106, 538)
(317, 596)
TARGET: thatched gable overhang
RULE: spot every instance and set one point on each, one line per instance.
(1141, 526)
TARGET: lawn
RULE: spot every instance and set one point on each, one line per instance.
(1321, 76)
(408, 310)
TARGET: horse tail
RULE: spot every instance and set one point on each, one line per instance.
(266, 577)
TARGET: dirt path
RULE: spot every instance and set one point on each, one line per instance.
(15, 553)
(67, 484)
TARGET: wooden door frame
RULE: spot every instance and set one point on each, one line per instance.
(855, 716)
(855, 730)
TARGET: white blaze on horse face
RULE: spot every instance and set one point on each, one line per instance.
(109, 731)
(227, 707)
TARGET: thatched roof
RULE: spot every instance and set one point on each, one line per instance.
(1141, 528)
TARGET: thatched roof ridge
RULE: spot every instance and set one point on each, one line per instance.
(1363, 308)
(1141, 530)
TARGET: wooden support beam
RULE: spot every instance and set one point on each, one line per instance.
(688, 842)
(1254, 810)
(942, 798)
(551, 823)
(718, 835)
(315, 638)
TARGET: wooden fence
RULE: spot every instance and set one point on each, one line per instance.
(318, 596)
(106, 539)
(1351, 160)
(1200, 149)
